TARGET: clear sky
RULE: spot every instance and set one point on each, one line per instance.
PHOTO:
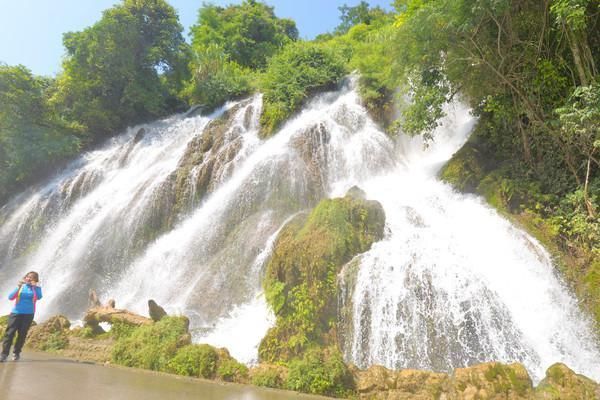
(31, 30)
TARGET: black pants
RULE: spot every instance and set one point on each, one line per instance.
(16, 323)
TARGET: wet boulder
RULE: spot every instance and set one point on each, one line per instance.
(155, 311)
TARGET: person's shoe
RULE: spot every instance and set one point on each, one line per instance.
(16, 357)
(2, 357)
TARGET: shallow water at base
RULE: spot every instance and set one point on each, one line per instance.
(52, 377)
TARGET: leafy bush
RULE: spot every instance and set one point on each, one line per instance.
(268, 377)
(215, 79)
(120, 330)
(298, 71)
(54, 342)
(195, 360)
(85, 332)
(150, 346)
(320, 372)
(231, 370)
(3, 322)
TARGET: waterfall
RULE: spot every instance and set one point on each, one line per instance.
(453, 283)
(185, 211)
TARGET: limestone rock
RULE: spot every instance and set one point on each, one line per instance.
(378, 382)
(562, 383)
(422, 384)
(112, 315)
(93, 300)
(55, 329)
(375, 378)
(492, 380)
(155, 311)
(356, 193)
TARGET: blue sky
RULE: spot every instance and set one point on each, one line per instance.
(31, 30)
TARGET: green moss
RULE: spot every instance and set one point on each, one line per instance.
(150, 346)
(301, 277)
(562, 383)
(591, 286)
(195, 360)
(555, 372)
(504, 379)
(464, 171)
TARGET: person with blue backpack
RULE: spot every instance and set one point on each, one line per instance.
(25, 296)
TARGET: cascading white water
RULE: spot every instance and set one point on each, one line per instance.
(451, 284)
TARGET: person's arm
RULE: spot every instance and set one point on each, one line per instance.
(13, 295)
(38, 292)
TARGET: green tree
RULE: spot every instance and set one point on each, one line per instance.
(32, 138)
(118, 71)
(248, 33)
(215, 79)
(360, 14)
(580, 130)
(300, 70)
(504, 56)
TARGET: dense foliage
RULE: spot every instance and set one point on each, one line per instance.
(152, 346)
(298, 71)
(248, 34)
(228, 45)
(32, 137)
(119, 71)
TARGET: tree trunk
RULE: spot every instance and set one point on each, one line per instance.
(580, 65)
(586, 198)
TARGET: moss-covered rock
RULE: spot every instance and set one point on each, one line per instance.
(301, 277)
(465, 170)
(492, 381)
(52, 335)
(562, 383)
(482, 382)
(378, 382)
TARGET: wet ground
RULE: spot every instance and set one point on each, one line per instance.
(48, 377)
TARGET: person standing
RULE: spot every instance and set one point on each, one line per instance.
(25, 295)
